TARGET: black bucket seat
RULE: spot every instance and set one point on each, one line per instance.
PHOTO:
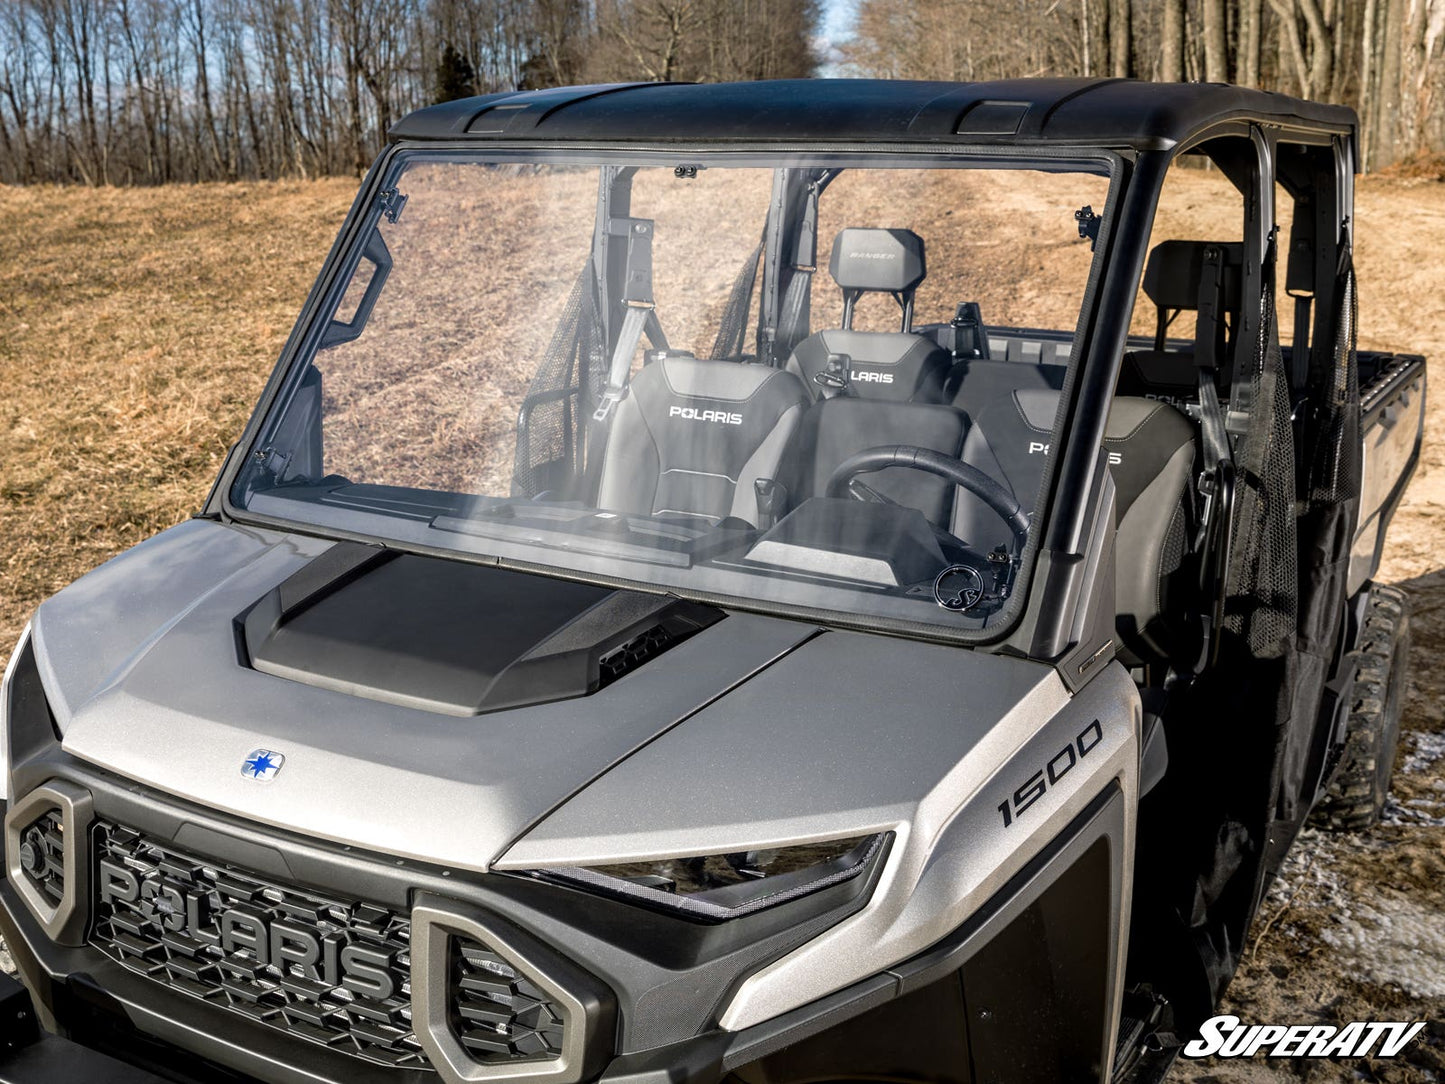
(895, 366)
(691, 437)
(1153, 454)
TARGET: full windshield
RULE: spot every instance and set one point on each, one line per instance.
(814, 385)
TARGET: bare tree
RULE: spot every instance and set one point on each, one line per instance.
(1171, 48)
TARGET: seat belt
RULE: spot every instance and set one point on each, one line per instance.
(805, 265)
(1299, 350)
(1299, 284)
(640, 319)
(1216, 481)
(639, 316)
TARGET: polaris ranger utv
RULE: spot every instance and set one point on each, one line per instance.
(727, 582)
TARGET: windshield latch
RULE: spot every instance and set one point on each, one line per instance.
(1089, 225)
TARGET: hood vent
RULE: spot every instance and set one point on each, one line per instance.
(640, 649)
(453, 637)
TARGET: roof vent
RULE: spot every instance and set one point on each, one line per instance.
(992, 118)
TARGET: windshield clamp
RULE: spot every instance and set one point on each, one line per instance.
(1089, 225)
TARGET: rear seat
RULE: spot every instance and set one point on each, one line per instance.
(881, 387)
(894, 366)
(1203, 277)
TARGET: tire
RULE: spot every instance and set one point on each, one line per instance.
(1356, 793)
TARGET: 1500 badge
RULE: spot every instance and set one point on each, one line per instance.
(1058, 766)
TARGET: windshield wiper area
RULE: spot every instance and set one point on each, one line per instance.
(674, 541)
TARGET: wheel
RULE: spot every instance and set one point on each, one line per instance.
(1356, 793)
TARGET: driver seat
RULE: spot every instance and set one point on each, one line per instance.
(835, 429)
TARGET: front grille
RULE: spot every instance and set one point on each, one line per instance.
(498, 1014)
(329, 971)
(42, 855)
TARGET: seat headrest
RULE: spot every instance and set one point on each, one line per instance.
(887, 261)
(1171, 280)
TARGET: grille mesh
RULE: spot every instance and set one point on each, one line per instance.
(185, 923)
(498, 1014)
(42, 855)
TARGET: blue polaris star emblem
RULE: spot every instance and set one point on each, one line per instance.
(262, 764)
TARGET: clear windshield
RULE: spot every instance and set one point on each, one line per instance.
(813, 385)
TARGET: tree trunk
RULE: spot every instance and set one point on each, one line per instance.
(1171, 54)
(1120, 46)
(1216, 43)
(1251, 13)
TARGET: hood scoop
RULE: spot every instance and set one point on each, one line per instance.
(453, 637)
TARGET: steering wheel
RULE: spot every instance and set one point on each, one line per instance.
(999, 499)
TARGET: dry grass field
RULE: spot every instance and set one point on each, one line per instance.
(137, 326)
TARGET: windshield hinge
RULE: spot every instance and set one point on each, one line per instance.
(272, 461)
(391, 201)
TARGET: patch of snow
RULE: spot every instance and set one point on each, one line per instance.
(1418, 812)
(1392, 939)
(1429, 747)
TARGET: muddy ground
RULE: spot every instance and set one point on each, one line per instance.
(137, 326)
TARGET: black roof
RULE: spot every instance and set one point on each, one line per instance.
(1106, 112)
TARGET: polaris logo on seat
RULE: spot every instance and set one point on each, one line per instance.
(872, 378)
(872, 255)
(692, 414)
(1039, 448)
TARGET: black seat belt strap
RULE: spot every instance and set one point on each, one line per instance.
(1216, 492)
(732, 332)
(1299, 348)
(792, 317)
(1216, 480)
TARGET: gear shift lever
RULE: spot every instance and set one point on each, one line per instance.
(770, 495)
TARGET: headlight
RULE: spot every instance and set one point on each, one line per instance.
(717, 887)
(5, 713)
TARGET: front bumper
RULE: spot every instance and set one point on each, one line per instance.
(82, 993)
(649, 983)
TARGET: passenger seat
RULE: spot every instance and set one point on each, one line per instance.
(692, 436)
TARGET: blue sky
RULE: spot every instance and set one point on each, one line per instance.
(837, 24)
(838, 17)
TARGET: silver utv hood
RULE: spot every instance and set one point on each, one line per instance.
(142, 665)
(754, 732)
